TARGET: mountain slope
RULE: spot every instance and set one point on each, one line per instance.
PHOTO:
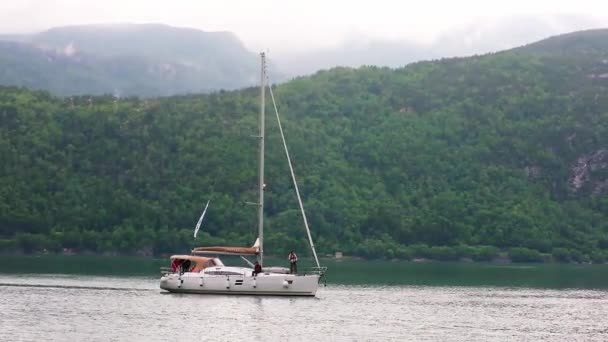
(480, 37)
(446, 159)
(127, 59)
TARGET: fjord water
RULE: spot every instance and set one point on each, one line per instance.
(117, 299)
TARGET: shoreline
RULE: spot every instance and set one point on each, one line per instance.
(501, 260)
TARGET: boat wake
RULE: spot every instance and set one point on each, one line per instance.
(50, 286)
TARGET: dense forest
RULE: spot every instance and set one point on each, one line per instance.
(503, 154)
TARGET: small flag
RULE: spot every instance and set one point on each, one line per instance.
(200, 220)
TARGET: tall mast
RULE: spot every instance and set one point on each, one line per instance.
(261, 171)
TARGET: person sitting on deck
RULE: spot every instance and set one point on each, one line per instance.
(175, 265)
(257, 269)
(185, 266)
(293, 262)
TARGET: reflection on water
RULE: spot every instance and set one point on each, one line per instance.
(101, 308)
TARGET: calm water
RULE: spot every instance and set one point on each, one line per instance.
(117, 299)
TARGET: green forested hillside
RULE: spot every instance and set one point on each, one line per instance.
(445, 159)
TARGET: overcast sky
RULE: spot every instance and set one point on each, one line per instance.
(281, 25)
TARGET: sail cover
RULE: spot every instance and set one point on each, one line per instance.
(225, 250)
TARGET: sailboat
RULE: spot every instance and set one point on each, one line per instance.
(203, 271)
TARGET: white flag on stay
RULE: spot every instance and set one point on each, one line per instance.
(200, 220)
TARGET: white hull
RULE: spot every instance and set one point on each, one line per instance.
(262, 284)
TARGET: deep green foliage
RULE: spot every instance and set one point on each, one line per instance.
(451, 159)
(522, 254)
(562, 254)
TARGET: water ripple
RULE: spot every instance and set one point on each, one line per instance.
(78, 308)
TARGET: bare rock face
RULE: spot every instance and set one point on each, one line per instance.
(532, 171)
(601, 187)
(582, 174)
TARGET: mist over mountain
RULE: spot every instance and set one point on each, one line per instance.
(482, 36)
(126, 59)
(155, 59)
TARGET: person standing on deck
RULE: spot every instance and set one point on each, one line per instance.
(257, 269)
(293, 262)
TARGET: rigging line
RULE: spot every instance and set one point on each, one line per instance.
(293, 176)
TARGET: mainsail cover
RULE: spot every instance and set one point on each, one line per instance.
(228, 250)
(225, 250)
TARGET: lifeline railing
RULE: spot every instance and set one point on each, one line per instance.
(166, 270)
(314, 270)
(310, 270)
